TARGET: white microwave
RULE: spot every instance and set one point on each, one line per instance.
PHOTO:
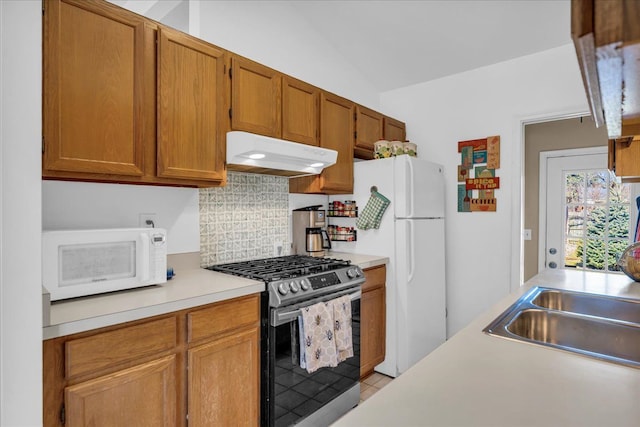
(87, 262)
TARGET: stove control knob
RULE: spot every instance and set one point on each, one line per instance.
(304, 284)
(294, 287)
(283, 289)
(352, 273)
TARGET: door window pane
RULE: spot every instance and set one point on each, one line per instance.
(597, 187)
(597, 211)
(573, 259)
(574, 190)
(619, 221)
(575, 220)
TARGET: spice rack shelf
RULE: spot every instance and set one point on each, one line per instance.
(350, 214)
(342, 234)
(346, 209)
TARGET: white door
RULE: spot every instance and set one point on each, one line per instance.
(418, 188)
(421, 316)
(586, 213)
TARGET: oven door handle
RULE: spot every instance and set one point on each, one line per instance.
(280, 317)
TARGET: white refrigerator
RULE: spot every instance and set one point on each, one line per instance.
(411, 235)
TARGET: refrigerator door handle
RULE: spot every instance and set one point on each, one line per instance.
(411, 250)
(410, 190)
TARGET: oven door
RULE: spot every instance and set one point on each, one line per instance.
(296, 396)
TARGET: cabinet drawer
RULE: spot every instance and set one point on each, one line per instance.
(222, 317)
(106, 349)
(374, 277)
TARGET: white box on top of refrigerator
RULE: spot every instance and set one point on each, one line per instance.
(86, 262)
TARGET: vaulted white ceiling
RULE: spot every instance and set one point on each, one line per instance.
(400, 43)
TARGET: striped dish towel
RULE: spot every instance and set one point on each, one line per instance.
(372, 213)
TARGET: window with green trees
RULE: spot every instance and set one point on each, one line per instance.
(596, 221)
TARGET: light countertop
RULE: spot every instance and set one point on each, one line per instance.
(191, 286)
(475, 379)
(363, 261)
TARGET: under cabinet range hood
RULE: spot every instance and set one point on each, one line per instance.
(248, 152)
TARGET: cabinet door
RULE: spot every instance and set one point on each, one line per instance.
(255, 98)
(93, 113)
(336, 133)
(224, 381)
(299, 111)
(190, 103)
(394, 130)
(373, 320)
(144, 395)
(372, 336)
(369, 129)
(624, 159)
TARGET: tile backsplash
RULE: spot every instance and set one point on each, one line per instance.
(244, 219)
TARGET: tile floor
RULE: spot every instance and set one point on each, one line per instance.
(370, 385)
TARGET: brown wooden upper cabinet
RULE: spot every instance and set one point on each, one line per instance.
(126, 99)
(191, 142)
(300, 115)
(606, 35)
(394, 130)
(270, 103)
(255, 98)
(336, 132)
(93, 89)
(624, 158)
(101, 68)
(369, 129)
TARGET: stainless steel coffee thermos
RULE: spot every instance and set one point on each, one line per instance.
(308, 231)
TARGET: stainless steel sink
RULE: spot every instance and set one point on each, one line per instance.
(603, 327)
(617, 308)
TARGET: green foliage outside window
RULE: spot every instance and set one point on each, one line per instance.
(601, 256)
(601, 230)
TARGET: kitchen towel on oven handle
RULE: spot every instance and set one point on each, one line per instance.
(318, 344)
(326, 336)
(372, 213)
(342, 329)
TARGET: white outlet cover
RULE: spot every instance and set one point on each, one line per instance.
(144, 217)
(278, 249)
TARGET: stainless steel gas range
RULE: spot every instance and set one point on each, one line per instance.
(290, 394)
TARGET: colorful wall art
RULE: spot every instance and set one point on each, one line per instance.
(477, 180)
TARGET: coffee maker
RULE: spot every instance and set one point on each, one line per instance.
(309, 236)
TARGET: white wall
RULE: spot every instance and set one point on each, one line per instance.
(273, 34)
(68, 205)
(20, 214)
(483, 249)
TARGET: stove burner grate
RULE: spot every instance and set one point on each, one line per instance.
(285, 267)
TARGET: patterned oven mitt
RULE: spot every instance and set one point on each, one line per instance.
(372, 213)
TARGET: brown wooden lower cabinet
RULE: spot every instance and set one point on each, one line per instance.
(159, 371)
(372, 320)
(224, 382)
(138, 396)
